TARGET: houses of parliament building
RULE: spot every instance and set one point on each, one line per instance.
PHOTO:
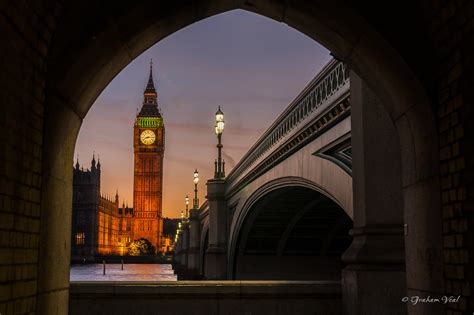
(100, 226)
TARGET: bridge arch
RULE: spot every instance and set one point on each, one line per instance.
(101, 50)
(203, 245)
(302, 200)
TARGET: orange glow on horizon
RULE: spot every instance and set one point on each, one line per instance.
(251, 66)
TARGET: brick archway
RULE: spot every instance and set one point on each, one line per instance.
(88, 43)
(110, 46)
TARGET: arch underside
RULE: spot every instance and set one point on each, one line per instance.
(101, 50)
(292, 233)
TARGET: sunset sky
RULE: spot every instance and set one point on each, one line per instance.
(251, 66)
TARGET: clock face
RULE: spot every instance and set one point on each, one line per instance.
(147, 137)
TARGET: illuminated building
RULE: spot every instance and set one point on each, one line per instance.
(149, 146)
(100, 226)
(97, 218)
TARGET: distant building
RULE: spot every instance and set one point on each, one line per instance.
(166, 244)
(149, 148)
(170, 225)
(125, 234)
(100, 226)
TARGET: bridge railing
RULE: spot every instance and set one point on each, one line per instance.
(330, 80)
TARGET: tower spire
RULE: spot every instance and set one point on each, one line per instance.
(150, 98)
(150, 87)
(93, 161)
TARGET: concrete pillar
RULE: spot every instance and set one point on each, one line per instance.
(216, 254)
(177, 249)
(373, 281)
(56, 215)
(194, 240)
(184, 245)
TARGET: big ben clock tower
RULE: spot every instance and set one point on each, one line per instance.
(149, 147)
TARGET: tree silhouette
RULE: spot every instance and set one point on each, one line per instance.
(141, 247)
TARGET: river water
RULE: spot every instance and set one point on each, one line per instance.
(130, 272)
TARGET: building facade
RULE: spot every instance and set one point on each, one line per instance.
(100, 226)
(149, 145)
(97, 220)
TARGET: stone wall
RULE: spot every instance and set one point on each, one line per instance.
(208, 297)
(288, 267)
(26, 31)
(452, 29)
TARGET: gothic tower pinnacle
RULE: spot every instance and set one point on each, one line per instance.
(149, 146)
(150, 87)
(150, 101)
(93, 162)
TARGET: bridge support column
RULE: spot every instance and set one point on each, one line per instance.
(373, 281)
(181, 249)
(194, 240)
(177, 251)
(184, 245)
(216, 254)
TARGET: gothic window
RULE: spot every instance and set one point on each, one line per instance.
(80, 238)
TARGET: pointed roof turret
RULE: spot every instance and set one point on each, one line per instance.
(93, 161)
(77, 163)
(150, 87)
(150, 102)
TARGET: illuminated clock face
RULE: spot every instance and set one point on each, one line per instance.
(147, 137)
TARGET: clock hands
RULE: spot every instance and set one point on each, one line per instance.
(147, 137)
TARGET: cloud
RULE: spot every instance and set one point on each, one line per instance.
(193, 162)
(250, 65)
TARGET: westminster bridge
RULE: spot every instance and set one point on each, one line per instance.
(285, 210)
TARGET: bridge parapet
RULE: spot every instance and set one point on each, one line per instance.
(322, 104)
(328, 88)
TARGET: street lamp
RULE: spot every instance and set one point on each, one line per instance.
(187, 204)
(219, 164)
(196, 180)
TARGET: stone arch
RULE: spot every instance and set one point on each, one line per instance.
(250, 211)
(245, 205)
(203, 244)
(83, 60)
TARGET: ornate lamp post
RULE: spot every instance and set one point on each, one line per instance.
(187, 204)
(178, 231)
(219, 164)
(196, 180)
